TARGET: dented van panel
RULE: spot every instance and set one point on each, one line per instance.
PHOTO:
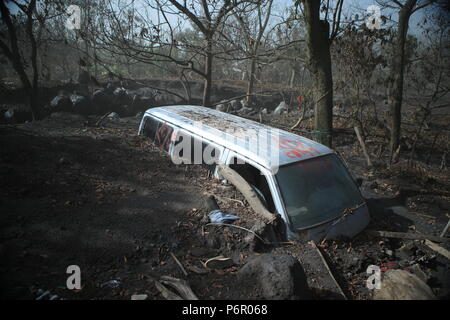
(317, 198)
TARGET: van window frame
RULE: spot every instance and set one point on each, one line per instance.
(274, 190)
(221, 149)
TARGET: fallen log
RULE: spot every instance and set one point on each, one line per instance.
(435, 247)
(181, 286)
(179, 264)
(166, 293)
(410, 236)
(247, 191)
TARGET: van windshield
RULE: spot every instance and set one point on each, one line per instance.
(317, 190)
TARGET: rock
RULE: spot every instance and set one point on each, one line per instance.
(235, 105)
(282, 107)
(245, 110)
(139, 297)
(221, 107)
(166, 99)
(110, 87)
(103, 101)
(146, 92)
(406, 251)
(139, 115)
(264, 111)
(61, 103)
(244, 103)
(277, 276)
(399, 284)
(113, 116)
(122, 97)
(81, 105)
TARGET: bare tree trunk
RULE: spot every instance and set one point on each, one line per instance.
(208, 74)
(318, 44)
(251, 81)
(14, 55)
(395, 90)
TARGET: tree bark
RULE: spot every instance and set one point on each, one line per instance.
(318, 44)
(208, 73)
(251, 81)
(395, 90)
(14, 55)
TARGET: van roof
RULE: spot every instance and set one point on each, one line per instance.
(246, 137)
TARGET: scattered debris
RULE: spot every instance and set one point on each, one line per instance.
(217, 216)
(113, 116)
(139, 297)
(46, 294)
(179, 264)
(111, 284)
(182, 287)
(219, 262)
(282, 108)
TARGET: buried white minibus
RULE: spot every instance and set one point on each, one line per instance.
(304, 181)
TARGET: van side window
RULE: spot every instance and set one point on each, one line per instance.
(163, 136)
(150, 128)
(211, 155)
(192, 150)
(255, 179)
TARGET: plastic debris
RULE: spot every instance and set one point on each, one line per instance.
(218, 216)
(43, 294)
(111, 284)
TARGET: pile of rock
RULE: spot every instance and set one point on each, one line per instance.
(124, 102)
